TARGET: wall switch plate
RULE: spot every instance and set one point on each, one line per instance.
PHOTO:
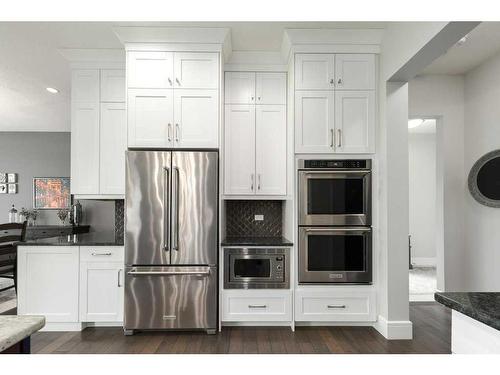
(259, 217)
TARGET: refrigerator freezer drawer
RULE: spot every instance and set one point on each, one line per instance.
(170, 297)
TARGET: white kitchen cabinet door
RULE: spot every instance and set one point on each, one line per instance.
(355, 121)
(314, 71)
(355, 72)
(150, 70)
(314, 121)
(239, 88)
(113, 85)
(270, 88)
(196, 118)
(239, 145)
(48, 282)
(195, 70)
(84, 148)
(101, 291)
(150, 118)
(85, 85)
(113, 143)
(270, 141)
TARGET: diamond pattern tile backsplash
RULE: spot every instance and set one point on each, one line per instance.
(119, 219)
(240, 218)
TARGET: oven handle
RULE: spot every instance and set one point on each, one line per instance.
(168, 273)
(342, 229)
(361, 172)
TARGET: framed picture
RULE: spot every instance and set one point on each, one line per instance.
(51, 193)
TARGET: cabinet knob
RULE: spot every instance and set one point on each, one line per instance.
(331, 81)
(258, 98)
(339, 81)
(252, 98)
(169, 81)
(177, 80)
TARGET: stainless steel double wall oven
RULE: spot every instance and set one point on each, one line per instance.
(335, 235)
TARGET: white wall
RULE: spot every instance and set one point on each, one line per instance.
(442, 97)
(482, 134)
(422, 194)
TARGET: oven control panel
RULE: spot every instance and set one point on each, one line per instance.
(279, 271)
(335, 164)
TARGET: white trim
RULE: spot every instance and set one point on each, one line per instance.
(99, 196)
(62, 327)
(256, 324)
(334, 324)
(255, 68)
(394, 329)
(103, 324)
(423, 262)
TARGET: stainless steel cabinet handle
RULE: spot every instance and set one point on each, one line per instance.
(169, 130)
(252, 98)
(257, 306)
(258, 184)
(258, 98)
(251, 182)
(331, 81)
(340, 81)
(168, 273)
(170, 81)
(166, 217)
(332, 141)
(339, 131)
(175, 210)
(177, 129)
(119, 278)
(336, 306)
(101, 254)
(177, 80)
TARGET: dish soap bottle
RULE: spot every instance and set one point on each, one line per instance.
(13, 215)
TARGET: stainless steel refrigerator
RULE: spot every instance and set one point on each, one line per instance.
(171, 221)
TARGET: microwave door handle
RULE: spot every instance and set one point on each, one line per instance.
(175, 209)
(166, 204)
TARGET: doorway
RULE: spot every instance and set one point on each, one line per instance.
(423, 213)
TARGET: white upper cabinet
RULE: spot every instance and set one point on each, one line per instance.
(150, 70)
(270, 88)
(196, 70)
(196, 118)
(355, 72)
(113, 143)
(150, 118)
(270, 146)
(355, 121)
(314, 121)
(239, 88)
(85, 85)
(239, 158)
(314, 71)
(113, 85)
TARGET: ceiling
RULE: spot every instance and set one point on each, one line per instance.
(30, 61)
(482, 43)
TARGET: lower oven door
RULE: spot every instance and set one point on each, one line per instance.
(335, 255)
(166, 297)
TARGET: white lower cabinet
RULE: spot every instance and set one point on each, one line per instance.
(101, 284)
(48, 282)
(71, 285)
(329, 305)
(256, 305)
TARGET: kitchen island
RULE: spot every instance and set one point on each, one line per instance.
(73, 281)
(15, 332)
(475, 327)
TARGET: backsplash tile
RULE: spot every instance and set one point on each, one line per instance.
(119, 219)
(240, 221)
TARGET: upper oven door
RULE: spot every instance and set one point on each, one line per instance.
(334, 197)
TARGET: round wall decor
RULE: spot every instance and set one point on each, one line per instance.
(484, 179)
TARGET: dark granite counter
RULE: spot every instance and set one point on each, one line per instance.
(484, 307)
(83, 239)
(256, 241)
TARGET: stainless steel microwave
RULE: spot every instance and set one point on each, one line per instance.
(334, 192)
(256, 268)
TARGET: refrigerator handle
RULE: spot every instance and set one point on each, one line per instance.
(166, 216)
(175, 209)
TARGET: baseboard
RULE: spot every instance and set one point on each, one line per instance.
(256, 324)
(63, 327)
(394, 329)
(423, 262)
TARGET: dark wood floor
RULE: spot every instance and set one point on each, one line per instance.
(432, 323)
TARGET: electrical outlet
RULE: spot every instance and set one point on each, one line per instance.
(259, 217)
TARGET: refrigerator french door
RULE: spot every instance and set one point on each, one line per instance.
(171, 240)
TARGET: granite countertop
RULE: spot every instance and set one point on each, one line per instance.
(83, 239)
(14, 328)
(256, 241)
(484, 307)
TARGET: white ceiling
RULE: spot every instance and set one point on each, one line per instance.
(482, 43)
(30, 61)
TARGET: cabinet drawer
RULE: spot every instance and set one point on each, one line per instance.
(249, 305)
(335, 307)
(101, 253)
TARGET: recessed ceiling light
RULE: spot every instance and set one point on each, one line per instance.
(463, 40)
(52, 90)
(413, 123)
